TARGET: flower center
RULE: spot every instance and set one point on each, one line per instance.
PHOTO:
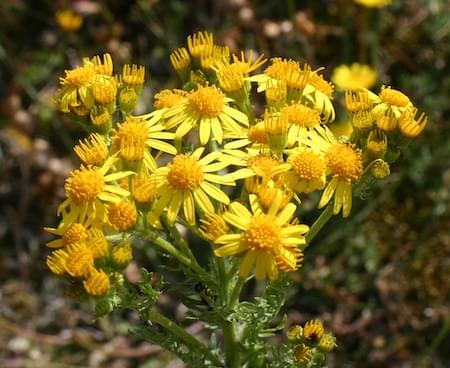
(104, 89)
(84, 185)
(344, 161)
(207, 102)
(263, 233)
(75, 233)
(394, 97)
(80, 261)
(301, 115)
(92, 150)
(130, 139)
(185, 173)
(308, 165)
(123, 215)
(168, 98)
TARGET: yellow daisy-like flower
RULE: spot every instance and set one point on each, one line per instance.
(97, 284)
(93, 150)
(213, 226)
(230, 77)
(89, 190)
(261, 164)
(188, 182)
(56, 261)
(313, 331)
(122, 215)
(80, 260)
(200, 43)
(207, 108)
(301, 119)
(104, 89)
(248, 63)
(214, 56)
(303, 354)
(103, 66)
(68, 20)
(391, 102)
(143, 188)
(354, 76)
(181, 61)
(345, 163)
(76, 90)
(269, 240)
(135, 137)
(73, 233)
(308, 170)
(122, 253)
(373, 3)
(133, 75)
(410, 125)
(256, 136)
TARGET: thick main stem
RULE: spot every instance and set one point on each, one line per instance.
(178, 331)
(319, 223)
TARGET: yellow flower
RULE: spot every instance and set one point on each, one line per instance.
(80, 260)
(186, 182)
(123, 215)
(373, 3)
(354, 76)
(104, 89)
(230, 77)
(262, 164)
(276, 126)
(200, 43)
(207, 108)
(214, 56)
(390, 106)
(313, 331)
(122, 253)
(181, 61)
(248, 63)
(213, 226)
(410, 125)
(76, 92)
(68, 20)
(268, 239)
(56, 261)
(97, 284)
(143, 188)
(93, 150)
(302, 119)
(303, 354)
(73, 233)
(167, 98)
(255, 135)
(89, 189)
(103, 66)
(345, 164)
(308, 170)
(327, 343)
(133, 75)
(135, 137)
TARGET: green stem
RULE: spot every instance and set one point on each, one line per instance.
(319, 223)
(232, 357)
(234, 298)
(191, 263)
(190, 340)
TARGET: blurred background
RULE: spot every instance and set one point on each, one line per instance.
(380, 280)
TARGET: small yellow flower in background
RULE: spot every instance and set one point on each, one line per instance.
(206, 108)
(103, 65)
(188, 182)
(268, 239)
(216, 55)
(213, 226)
(373, 3)
(248, 63)
(143, 188)
(354, 76)
(410, 125)
(68, 20)
(200, 43)
(181, 61)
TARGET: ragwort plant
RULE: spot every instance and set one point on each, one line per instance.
(205, 162)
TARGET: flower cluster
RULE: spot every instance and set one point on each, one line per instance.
(310, 343)
(206, 160)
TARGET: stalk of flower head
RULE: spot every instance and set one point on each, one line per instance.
(203, 162)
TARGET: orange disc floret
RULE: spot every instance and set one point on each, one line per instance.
(130, 137)
(84, 185)
(80, 260)
(263, 164)
(308, 165)
(263, 232)
(104, 89)
(257, 133)
(185, 173)
(74, 233)
(301, 115)
(267, 194)
(207, 101)
(123, 215)
(344, 161)
(97, 284)
(144, 188)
